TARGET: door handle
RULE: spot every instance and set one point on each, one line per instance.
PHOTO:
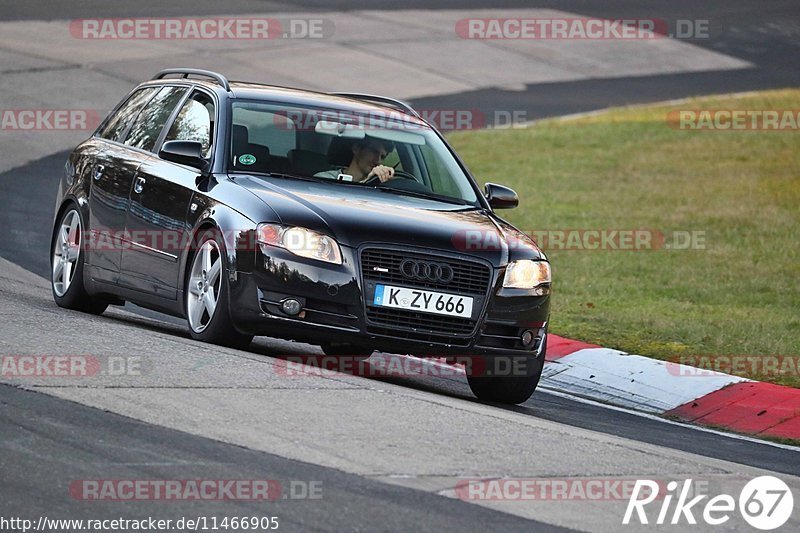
(138, 187)
(98, 172)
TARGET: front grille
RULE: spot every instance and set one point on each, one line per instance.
(470, 279)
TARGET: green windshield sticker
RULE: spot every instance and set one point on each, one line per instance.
(247, 159)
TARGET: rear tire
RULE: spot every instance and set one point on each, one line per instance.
(66, 265)
(206, 295)
(510, 389)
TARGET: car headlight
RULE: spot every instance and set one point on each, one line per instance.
(300, 241)
(527, 274)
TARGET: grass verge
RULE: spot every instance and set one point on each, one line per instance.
(733, 295)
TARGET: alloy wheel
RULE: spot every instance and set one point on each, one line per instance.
(66, 252)
(205, 284)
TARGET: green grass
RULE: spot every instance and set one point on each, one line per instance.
(627, 169)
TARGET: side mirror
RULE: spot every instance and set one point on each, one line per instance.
(188, 153)
(500, 197)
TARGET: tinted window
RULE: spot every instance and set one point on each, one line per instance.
(195, 122)
(116, 126)
(154, 116)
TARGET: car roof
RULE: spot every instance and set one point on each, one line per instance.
(302, 98)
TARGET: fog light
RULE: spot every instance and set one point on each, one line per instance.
(527, 338)
(290, 306)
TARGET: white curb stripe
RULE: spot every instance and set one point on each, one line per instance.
(632, 381)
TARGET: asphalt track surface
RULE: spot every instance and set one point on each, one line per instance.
(767, 34)
(48, 442)
(45, 441)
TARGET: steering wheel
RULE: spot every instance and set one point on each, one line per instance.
(397, 174)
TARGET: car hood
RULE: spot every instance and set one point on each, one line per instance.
(356, 216)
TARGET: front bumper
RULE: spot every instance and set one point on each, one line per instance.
(334, 309)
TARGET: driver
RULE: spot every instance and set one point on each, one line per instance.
(368, 154)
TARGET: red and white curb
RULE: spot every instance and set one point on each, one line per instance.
(659, 387)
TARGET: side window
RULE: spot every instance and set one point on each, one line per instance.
(145, 131)
(264, 129)
(195, 122)
(116, 126)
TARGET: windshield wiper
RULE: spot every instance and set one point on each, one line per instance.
(429, 196)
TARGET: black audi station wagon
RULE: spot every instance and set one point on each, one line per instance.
(342, 220)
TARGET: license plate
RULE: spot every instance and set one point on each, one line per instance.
(438, 303)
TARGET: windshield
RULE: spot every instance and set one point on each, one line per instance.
(346, 148)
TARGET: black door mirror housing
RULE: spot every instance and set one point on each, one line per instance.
(188, 153)
(500, 197)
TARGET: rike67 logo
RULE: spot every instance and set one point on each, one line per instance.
(766, 503)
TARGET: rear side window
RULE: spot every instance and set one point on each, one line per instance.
(195, 122)
(117, 125)
(145, 131)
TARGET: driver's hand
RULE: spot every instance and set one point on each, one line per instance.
(383, 172)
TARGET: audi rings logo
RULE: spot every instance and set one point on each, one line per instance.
(426, 271)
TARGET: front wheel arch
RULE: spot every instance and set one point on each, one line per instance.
(191, 249)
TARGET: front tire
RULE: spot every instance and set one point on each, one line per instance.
(509, 389)
(206, 295)
(67, 261)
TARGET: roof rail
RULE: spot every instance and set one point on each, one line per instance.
(397, 104)
(186, 72)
